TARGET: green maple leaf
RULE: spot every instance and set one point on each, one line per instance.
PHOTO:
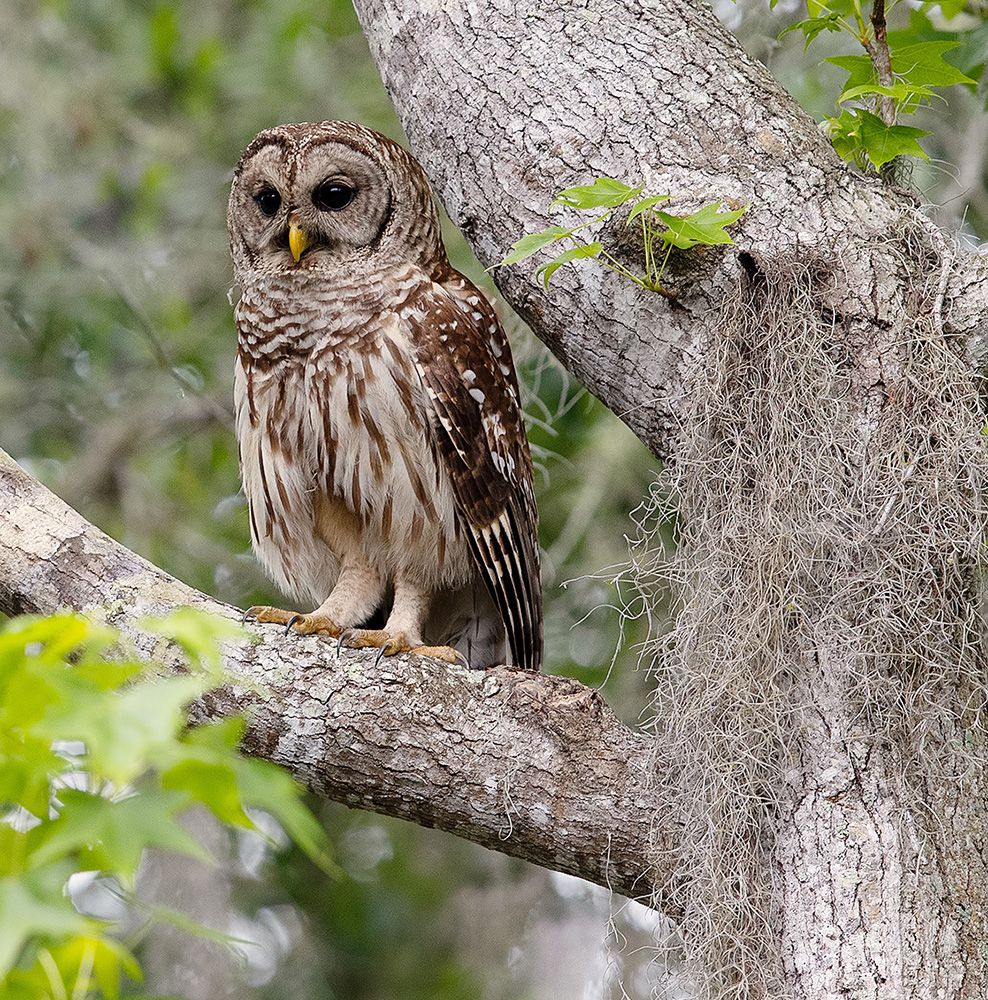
(208, 768)
(546, 271)
(604, 192)
(111, 835)
(122, 732)
(858, 134)
(213, 783)
(811, 27)
(882, 143)
(32, 905)
(532, 244)
(860, 72)
(103, 958)
(904, 94)
(266, 786)
(916, 67)
(705, 227)
(25, 775)
(923, 63)
(644, 205)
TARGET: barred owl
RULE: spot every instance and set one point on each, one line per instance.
(382, 450)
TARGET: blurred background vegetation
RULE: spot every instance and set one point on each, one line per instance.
(120, 122)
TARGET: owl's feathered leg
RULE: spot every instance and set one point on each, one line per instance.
(402, 633)
(357, 594)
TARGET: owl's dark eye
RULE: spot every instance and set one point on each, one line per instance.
(331, 196)
(268, 201)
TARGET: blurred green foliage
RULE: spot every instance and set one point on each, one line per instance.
(96, 766)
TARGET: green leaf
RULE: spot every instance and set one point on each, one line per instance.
(645, 204)
(916, 66)
(844, 132)
(972, 52)
(105, 959)
(56, 686)
(25, 775)
(211, 783)
(258, 784)
(546, 271)
(817, 8)
(706, 227)
(859, 135)
(266, 786)
(110, 835)
(124, 731)
(883, 143)
(33, 906)
(199, 634)
(222, 735)
(951, 8)
(904, 94)
(605, 192)
(923, 63)
(812, 27)
(48, 640)
(532, 244)
(860, 72)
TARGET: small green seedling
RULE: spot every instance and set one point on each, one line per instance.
(661, 231)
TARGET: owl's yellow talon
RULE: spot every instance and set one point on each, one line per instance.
(445, 653)
(376, 638)
(391, 644)
(315, 625)
(265, 615)
(293, 621)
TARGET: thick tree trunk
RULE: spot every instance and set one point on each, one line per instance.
(870, 843)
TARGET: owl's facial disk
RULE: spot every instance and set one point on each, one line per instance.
(309, 207)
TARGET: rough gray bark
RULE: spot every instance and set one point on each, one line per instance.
(533, 766)
(507, 101)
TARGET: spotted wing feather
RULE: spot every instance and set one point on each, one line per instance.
(464, 361)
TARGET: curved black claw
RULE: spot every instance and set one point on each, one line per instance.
(344, 635)
(380, 654)
(246, 616)
(292, 621)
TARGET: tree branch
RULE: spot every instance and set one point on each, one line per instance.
(534, 766)
(878, 51)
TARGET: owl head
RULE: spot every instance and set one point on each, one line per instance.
(319, 199)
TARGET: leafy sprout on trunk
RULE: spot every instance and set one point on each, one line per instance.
(661, 232)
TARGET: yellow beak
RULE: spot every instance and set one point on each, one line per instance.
(298, 240)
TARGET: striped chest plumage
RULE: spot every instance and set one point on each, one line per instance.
(330, 407)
